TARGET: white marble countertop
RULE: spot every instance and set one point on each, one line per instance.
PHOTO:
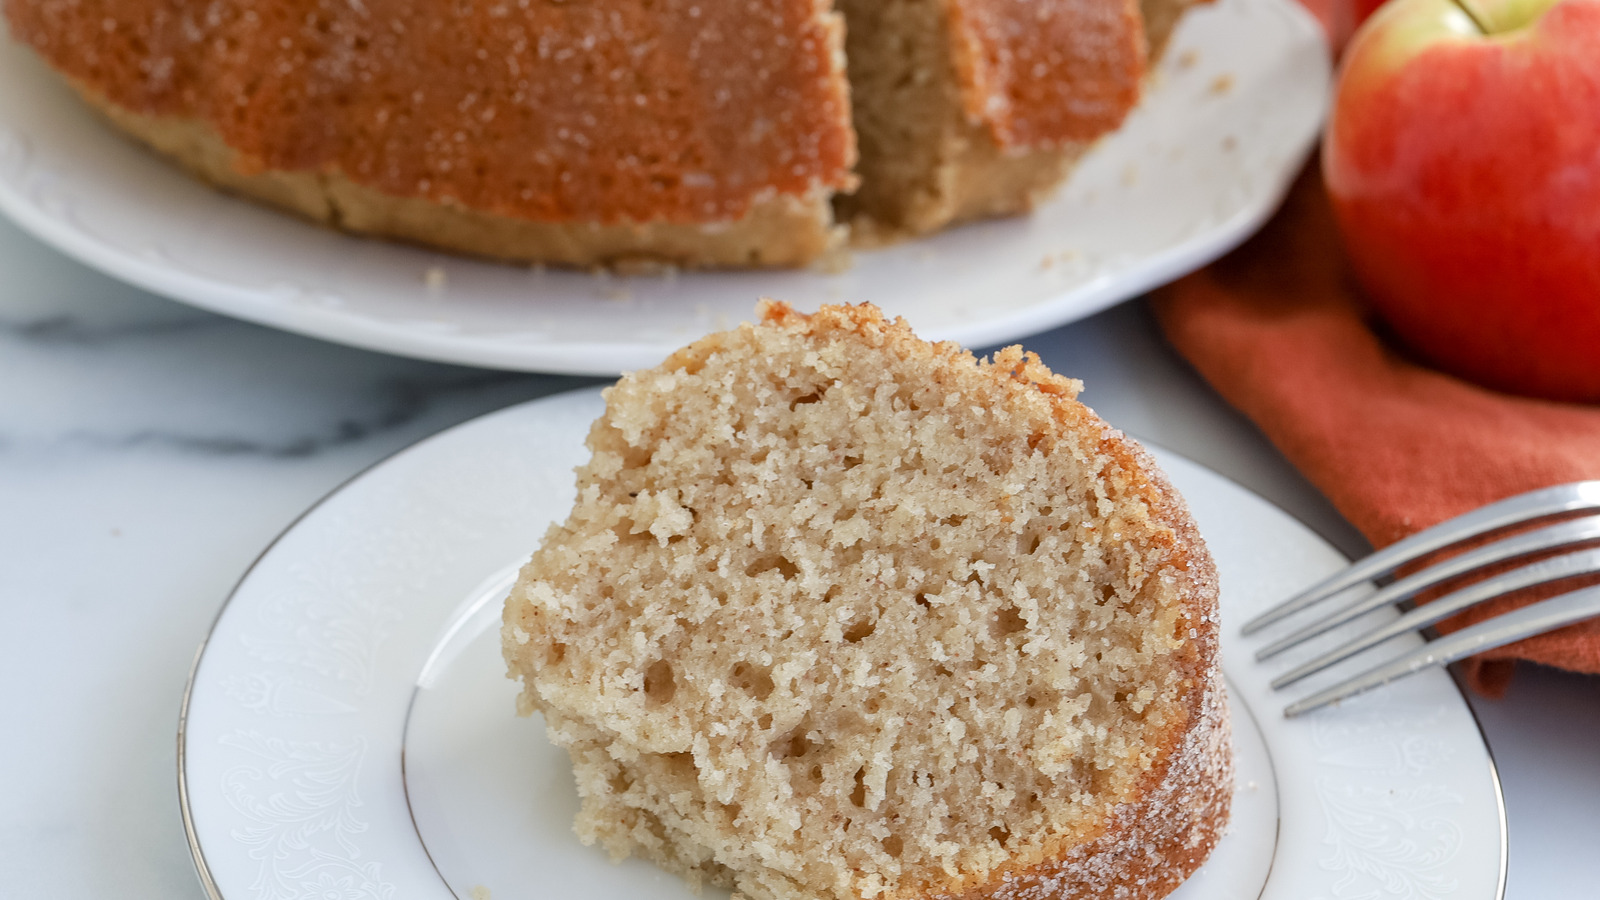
(148, 452)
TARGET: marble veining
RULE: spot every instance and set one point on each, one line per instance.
(155, 377)
(400, 402)
(65, 329)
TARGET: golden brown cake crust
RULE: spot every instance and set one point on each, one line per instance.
(632, 111)
(776, 231)
(1042, 73)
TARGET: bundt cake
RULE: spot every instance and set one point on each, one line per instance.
(842, 614)
(588, 132)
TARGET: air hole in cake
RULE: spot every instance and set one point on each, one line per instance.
(659, 685)
(680, 764)
(1037, 698)
(893, 845)
(653, 824)
(626, 532)
(858, 794)
(753, 680)
(1028, 545)
(850, 462)
(922, 599)
(1100, 779)
(1106, 593)
(905, 399)
(773, 563)
(619, 782)
(814, 777)
(1009, 621)
(942, 671)
(795, 745)
(556, 652)
(859, 630)
(764, 722)
(1000, 835)
(953, 521)
(805, 399)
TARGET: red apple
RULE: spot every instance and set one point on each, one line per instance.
(1463, 162)
(1361, 9)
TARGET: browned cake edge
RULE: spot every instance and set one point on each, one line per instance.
(779, 231)
(984, 181)
(1149, 846)
(925, 164)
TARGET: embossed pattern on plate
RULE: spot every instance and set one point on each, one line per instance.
(1227, 121)
(292, 762)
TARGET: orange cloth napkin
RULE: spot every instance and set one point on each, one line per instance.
(1279, 328)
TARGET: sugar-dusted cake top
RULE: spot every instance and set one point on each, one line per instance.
(599, 112)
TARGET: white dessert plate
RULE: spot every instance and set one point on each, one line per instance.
(1198, 167)
(348, 730)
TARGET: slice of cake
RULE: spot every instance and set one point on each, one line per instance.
(839, 613)
(969, 109)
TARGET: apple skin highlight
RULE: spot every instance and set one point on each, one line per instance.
(1464, 170)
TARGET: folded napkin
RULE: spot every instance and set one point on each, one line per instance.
(1280, 329)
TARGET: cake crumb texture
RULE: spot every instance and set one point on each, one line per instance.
(839, 613)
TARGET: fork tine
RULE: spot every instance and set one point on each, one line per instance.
(1537, 618)
(1561, 534)
(1529, 507)
(1546, 570)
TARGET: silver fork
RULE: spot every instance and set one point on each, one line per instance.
(1564, 501)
